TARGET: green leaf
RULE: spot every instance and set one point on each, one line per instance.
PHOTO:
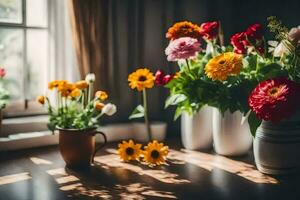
(175, 99)
(254, 123)
(138, 112)
(272, 70)
(178, 112)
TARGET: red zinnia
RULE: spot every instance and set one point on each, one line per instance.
(254, 32)
(239, 43)
(275, 99)
(161, 78)
(210, 30)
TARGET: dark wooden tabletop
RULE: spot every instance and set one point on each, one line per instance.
(40, 174)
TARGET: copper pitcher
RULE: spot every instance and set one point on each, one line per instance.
(78, 147)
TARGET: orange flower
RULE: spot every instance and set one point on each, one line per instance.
(81, 84)
(75, 93)
(41, 99)
(65, 88)
(99, 105)
(53, 84)
(101, 95)
(184, 29)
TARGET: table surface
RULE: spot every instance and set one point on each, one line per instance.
(40, 174)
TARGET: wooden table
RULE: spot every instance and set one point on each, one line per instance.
(39, 174)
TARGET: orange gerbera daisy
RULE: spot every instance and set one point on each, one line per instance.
(224, 65)
(141, 79)
(184, 29)
(99, 105)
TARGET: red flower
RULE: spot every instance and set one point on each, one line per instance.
(167, 78)
(159, 75)
(209, 30)
(2, 72)
(239, 43)
(275, 99)
(161, 79)
(254, 32)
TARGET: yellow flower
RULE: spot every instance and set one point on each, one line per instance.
(129, 151)
(99, 105)
(224, 65)
(101, 95)
(75, 93)
(177, 75)
(155, 153)
(65, 88)
(41, 99)
(81, 84)
(53, 84)
(141, 79)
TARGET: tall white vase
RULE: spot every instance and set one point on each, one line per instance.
(231, 136)
(196, 130)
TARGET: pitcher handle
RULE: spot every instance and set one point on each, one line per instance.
(101, 145)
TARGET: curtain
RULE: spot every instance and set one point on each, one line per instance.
(89, 30)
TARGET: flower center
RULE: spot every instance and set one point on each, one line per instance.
(142, 78)
(221, 62)
(274, 91)
(155, 154)
(129, 151)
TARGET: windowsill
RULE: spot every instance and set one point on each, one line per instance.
(32, 139)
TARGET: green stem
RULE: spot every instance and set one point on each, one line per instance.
(188, 66)
(146, 114)
(90, 92)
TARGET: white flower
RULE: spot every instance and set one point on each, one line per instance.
(109, 109)
(294, 34)
(280, 50)
(90, 78)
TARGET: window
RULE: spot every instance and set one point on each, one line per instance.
(25, 52)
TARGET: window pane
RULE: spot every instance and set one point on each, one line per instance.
(11, 11)
(11, 58)
(36, 11)
(37, 62)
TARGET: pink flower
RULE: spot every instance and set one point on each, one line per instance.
(294, 34)
(2, 72)
(182, 48)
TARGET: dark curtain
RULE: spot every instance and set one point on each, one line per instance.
(136, 38)
(89, 30)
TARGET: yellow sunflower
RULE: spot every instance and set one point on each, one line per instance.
(129, 151)
(41, 99)
(141, 79)
(155, 153)
(224, 65)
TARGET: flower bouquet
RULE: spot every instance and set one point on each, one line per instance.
(76, 113)
(275, 103)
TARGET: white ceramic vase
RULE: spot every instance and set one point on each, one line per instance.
(277, 147)
(196, 130)
(231, 136)
(158, 130)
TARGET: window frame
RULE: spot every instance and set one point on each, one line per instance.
(24, 106)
